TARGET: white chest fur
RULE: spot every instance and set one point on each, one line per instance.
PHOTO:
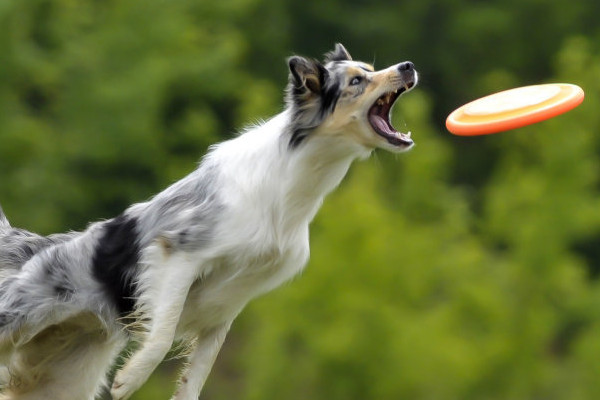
(232, 280)
(269, 198)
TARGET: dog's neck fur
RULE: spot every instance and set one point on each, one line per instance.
(291, 182)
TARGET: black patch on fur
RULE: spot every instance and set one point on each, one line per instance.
(298, 136)
(183, 237)
(63, 291)
(115, 259)
(7, 317)
(330, 96)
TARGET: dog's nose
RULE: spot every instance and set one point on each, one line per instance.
(406, 66)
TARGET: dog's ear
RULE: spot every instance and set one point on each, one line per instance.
(311, 95)
(307, 74)
(338, 54)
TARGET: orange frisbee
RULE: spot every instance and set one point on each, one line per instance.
(514, 108)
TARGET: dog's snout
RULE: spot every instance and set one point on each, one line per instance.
(406, 66)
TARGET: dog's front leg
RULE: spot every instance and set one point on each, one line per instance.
(200, 363)
(177, 276)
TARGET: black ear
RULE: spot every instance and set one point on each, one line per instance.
(306, 74)
(338, 54)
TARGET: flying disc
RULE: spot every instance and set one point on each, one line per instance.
(514, 108)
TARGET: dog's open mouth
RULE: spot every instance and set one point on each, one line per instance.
(380, 118)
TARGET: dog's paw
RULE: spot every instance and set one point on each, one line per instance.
(120, 391)
(122, 387)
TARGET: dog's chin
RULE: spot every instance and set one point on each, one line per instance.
(396, 148)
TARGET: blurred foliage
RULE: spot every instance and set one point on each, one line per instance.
(465, 269)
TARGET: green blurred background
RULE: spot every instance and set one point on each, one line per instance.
(468, 268)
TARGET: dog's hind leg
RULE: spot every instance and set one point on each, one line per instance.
(27, 308)
(177, 274)
(64, 362)
(43, 293)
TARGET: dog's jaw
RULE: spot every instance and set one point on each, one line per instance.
(379, 117)
(403, 78)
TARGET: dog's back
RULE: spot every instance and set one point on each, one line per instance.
(17, 246)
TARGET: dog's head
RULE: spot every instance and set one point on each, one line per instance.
(347, 99)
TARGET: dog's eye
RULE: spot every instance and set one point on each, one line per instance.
(356, 80)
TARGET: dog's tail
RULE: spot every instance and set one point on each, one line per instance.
(4, 224)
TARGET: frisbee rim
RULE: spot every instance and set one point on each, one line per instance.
(569, 97)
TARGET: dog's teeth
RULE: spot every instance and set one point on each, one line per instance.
(408, 134)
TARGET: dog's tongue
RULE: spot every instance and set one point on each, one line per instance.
(380, 122)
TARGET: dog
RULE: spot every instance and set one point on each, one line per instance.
(182, 265)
